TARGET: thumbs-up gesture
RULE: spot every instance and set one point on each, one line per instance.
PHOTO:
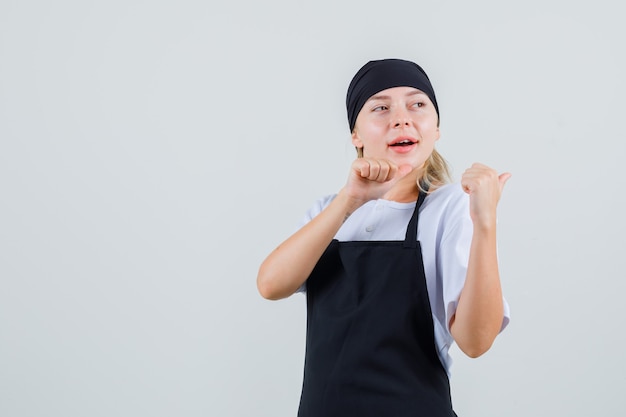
(484, 186)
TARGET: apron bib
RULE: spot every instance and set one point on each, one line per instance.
(370, 347)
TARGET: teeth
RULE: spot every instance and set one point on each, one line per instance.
(403, 142)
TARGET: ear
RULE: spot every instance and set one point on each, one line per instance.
(356, 141)
(438, 134)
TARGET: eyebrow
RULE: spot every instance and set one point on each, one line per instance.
(384, 97)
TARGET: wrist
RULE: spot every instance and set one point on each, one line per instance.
(347, 203)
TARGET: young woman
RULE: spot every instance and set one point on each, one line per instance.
(398, 265)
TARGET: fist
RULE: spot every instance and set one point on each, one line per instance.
(371, 178)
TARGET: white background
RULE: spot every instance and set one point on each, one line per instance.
(152, 153)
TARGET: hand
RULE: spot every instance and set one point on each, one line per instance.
(370, 179)
(484, 186)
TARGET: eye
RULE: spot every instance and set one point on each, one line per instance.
(380, 108)
(419, 104)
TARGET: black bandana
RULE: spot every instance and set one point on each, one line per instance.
(376, 76)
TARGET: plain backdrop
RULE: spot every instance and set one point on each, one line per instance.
(152, 153)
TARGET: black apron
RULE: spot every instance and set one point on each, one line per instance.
(370, 346)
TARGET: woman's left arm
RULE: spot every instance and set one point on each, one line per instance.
(478, 317)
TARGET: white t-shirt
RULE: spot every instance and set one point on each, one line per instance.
(445, 233)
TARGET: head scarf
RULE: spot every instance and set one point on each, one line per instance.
(376, 76)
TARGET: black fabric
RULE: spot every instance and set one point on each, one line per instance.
(376, 76)
(370, 346)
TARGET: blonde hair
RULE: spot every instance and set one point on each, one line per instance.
(436, 172)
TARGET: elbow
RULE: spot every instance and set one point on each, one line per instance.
(265, 288)
(477, 343)
(474, 342)
(475, 350)
(266, 285)
(266, 291)
(475, 337)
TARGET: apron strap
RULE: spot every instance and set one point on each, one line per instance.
(410, 240)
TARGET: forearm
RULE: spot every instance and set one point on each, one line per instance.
(478, 318)
(290, 264)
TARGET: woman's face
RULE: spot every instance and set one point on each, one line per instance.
(398, 124)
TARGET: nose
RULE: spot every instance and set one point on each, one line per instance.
(401, 118)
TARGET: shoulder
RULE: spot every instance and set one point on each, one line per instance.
(447, 199)
(317, 207)
(448, 191)
(446, 215)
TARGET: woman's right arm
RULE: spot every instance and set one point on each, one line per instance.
(291, 263)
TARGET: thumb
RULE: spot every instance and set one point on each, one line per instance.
(503, 178)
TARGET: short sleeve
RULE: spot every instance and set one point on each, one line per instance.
(453, 253)
(315, 209)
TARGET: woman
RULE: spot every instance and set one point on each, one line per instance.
(398, 265)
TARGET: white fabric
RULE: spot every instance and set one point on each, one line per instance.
(444, 232)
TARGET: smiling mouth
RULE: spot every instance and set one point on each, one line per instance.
(406, 142)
